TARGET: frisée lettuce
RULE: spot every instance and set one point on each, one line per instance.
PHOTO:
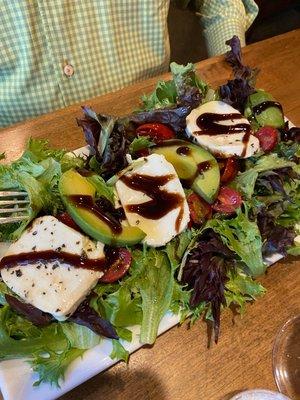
(36, 172)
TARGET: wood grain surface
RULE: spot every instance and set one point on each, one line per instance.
(180, 366)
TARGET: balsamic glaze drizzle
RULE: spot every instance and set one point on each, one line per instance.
(259, 108)
(208, 123)
(78, 261)
(162, 201)
(87, 202)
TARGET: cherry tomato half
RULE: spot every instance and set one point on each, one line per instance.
(200, 211)
(227, 201)
(229, 168)
(143, 152)
(268, 138)
(155, 131)
(119, 261)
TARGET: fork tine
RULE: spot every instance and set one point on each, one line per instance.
(9, 193)
(9, 199)
(12, 202)
(9, 220)
(12, 210)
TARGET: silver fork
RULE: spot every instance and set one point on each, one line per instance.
(13, 206)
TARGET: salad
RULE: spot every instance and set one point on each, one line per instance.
(177, 207)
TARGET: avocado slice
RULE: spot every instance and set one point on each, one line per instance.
(268, 115)
(195, 166)
(72, 183)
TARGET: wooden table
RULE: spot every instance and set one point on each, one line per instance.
(180, 366)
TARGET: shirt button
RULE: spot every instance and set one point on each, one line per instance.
(68, 70)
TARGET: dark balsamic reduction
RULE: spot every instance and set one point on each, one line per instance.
(208, 123)
(290, 134)
(183, 150)
(85, 172)
(86, 202)
(188, 182)
(78, 261)
(204, 166)
(162, 201)
(259, 108)
(245, 140)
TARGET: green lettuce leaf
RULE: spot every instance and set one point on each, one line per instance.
(271, 162)
(294, 250)
(245, 181)
(4, 289)
(49, 350)
(119, 352)
(80, 337)
(241, 288)
(180, 303)
(51, 367)
(34, 340)
(177, 247)
(39, 149)
(185, 76)
(140, 143)
(291, 214)
(241, 236)
(70, 160)
(124, 334)
(198, 312)
(289, 151)
(121, 307)
(164, 95)
(37, 172)
(102, 189)
(167, 93)
(39, 198)
(154, 280)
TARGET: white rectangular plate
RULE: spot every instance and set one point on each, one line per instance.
(93, 361)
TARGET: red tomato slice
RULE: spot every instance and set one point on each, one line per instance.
(156, 131)
(143, 152)
(200, 211)
(229, 169)
(119, 261)
(228, 201)
(66, 219)
(268, 138)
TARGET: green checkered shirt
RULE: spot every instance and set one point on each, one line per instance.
(57, 52)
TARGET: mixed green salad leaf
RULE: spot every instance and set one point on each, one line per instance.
(36, 172)
(211, 265)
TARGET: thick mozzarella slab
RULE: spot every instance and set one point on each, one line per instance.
(159, 231)
(53, 287)
(224, 145)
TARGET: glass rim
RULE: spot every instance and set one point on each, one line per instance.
(275, 349)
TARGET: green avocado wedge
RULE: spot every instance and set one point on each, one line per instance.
(195, 166)
(72, 183)
(260, 112)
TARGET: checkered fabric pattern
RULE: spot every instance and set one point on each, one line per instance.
(221, 19)
(109, 44)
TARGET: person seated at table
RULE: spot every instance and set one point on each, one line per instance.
(55, 53)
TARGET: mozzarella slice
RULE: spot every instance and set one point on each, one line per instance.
(222, 145)
(158, 231)
(52, 286)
